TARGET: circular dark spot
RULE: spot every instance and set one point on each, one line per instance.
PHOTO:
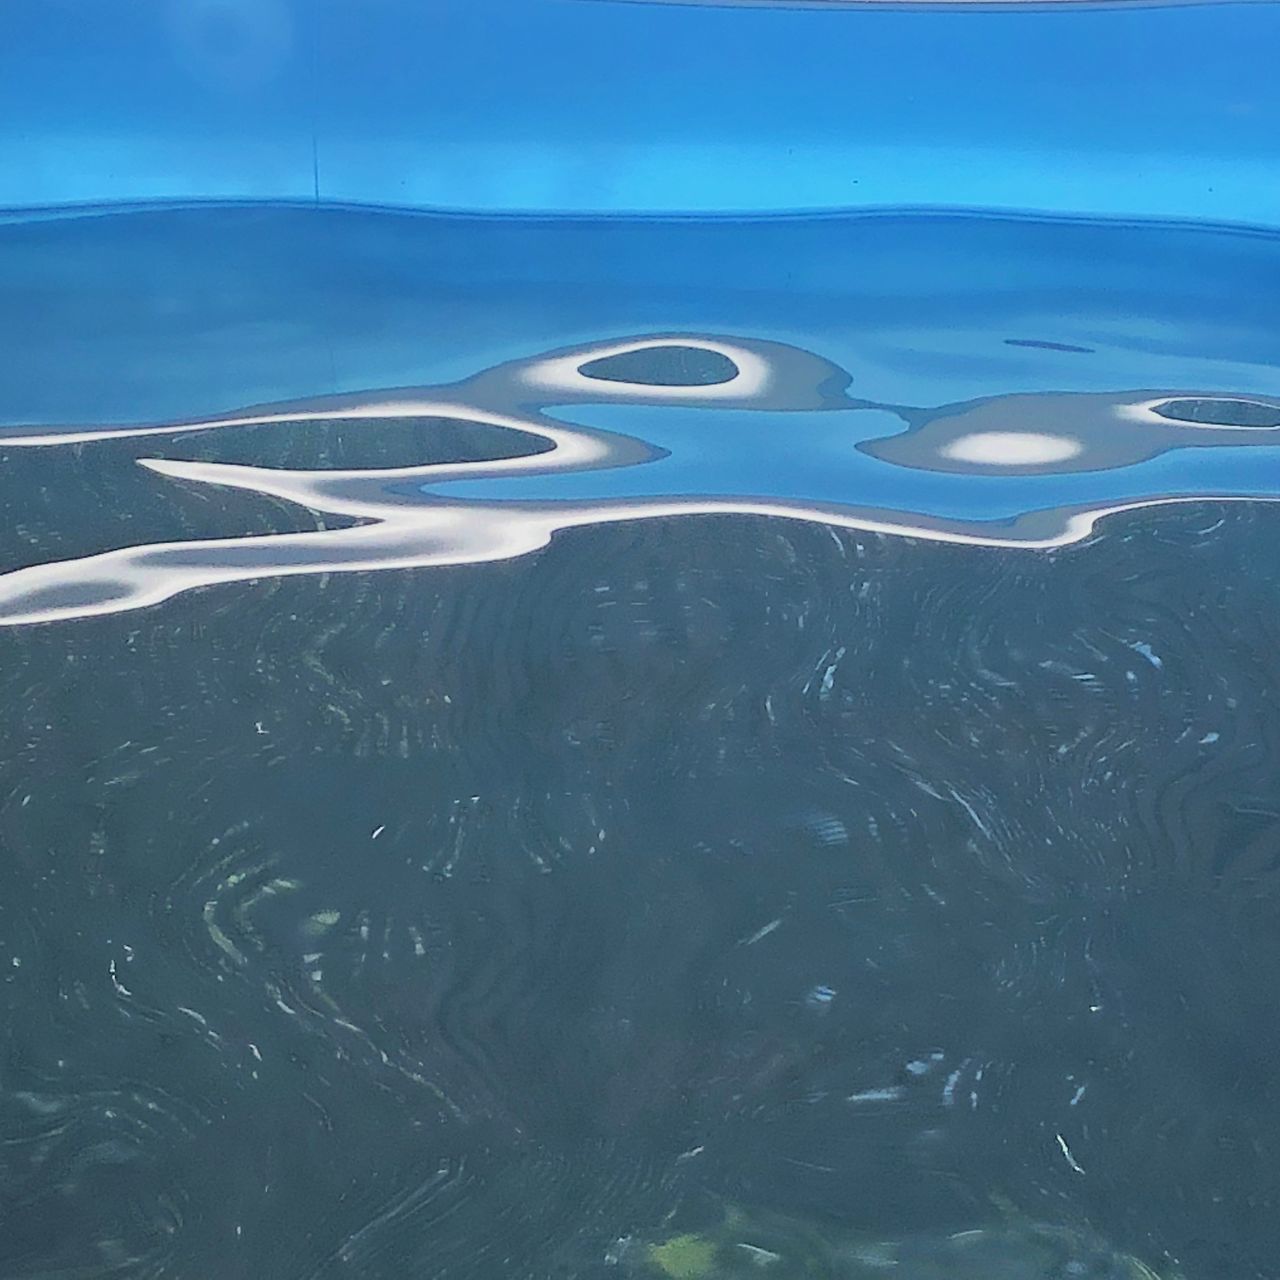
(1212, 411)
(664, 366)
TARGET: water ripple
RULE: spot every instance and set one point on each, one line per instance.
(1013, 453)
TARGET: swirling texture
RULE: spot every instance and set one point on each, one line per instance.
(340, 931)
(467, 922)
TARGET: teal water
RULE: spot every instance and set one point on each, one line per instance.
(577, 747)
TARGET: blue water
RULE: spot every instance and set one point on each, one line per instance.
(555, 713)
(591, 106)
(902, 393)
(639, 639)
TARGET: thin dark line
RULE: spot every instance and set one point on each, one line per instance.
(315, 84)
(15, 214)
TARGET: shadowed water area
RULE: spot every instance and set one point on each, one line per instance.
(638, 748)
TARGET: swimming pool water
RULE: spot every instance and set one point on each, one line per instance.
(639, 640)
(646, 712)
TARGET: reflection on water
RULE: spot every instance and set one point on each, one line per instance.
(902, 872)
(472, 511)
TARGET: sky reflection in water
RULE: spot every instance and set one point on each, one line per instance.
(632, 425)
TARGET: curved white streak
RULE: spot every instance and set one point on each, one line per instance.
(1076, 524)
(1144, 411)
(403, 531)
(135, 577)
(563, 374)
(446, 533)
(555, 374)
(571, 449)
(80, 435)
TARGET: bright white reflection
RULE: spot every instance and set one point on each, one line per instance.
(1012, 448)
(1144, 411)
(563, 374)
(408, 516)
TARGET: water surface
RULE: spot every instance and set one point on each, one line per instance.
(574, 721)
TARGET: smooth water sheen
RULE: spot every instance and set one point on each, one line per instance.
(690, 747)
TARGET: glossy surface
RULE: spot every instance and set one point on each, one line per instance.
(899, 865)
(712, 711)
(593, 106)
(795, 409)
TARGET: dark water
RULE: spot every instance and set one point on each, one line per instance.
(796, 793)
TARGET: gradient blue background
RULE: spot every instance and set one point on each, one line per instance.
(596, 106)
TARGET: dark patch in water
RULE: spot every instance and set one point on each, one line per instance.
(1039, 344)
(461, 921)
(1221, 411)
(665, 366)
